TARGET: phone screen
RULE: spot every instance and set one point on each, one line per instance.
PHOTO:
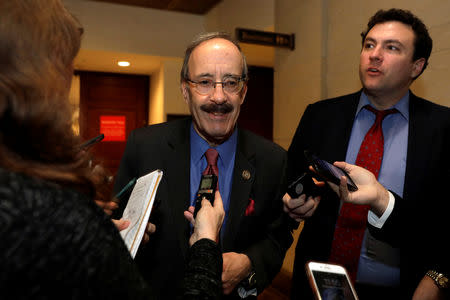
(332, 169)
(206, 183)
(333, 286)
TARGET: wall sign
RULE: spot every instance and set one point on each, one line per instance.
(113, 127)
(266, 38)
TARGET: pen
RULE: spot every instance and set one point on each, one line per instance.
(125, 188)
(92, 141)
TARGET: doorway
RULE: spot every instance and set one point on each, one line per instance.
(257, 110)
(112, 104)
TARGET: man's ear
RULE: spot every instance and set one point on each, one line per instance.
(243, 93)
(184, 91)
(418, 67)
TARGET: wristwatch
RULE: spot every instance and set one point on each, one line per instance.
(250, 281)
(440, 279)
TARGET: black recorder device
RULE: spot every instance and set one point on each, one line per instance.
(302, 185)
(207, 190)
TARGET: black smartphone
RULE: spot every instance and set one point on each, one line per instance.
(328, 171)
(206, 189)
(302, 185)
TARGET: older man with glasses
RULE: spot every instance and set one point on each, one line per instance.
(251, 176)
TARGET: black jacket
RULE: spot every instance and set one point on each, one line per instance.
(259, 174)
(55, 243)
(418, 220)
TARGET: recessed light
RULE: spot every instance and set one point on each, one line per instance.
(123, 63)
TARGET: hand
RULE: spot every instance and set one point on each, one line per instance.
(236, 267)
(300, 208)
(121, 224)
(107, 206)
(427, 290)
(149, 230)
(208, 221)
(370, 191)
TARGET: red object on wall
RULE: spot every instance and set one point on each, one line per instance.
(113, 127)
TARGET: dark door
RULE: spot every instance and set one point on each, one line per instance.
(257, 111)
(112, 104)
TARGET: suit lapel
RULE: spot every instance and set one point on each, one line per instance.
(240, 191)
(419, 140)
(341, 129)
(178, 181)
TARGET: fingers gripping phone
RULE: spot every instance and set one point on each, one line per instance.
(206, 189)
(330, 281)
(328, 171)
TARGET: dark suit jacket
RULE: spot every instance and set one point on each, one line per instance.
(263, 236)
(416, 221)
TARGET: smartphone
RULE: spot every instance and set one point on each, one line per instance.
(330, 281)
(206, 189)
(302, 185)
(328, 171)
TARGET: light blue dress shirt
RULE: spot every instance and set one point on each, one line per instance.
(391, 176)
(225, 164)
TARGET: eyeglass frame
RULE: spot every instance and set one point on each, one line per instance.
(239, 79)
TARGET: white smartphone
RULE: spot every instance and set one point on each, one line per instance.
(330, 281)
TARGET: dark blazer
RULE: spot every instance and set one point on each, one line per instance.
(264, 236)
(417, 219)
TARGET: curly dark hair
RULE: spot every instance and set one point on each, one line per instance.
(423, 44)
(39, 40)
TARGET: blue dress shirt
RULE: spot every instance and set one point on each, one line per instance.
(225, 164)
(391, 176)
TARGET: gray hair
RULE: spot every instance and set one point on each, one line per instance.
(203, 37)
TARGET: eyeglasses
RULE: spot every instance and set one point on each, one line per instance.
(231, 85)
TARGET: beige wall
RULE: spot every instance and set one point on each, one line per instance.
(252, 14)
(156, 95)
(229, 14)
(172, 91)
(165, 95)
(298, 73)
(122, 28)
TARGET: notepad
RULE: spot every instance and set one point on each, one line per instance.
(138, 209)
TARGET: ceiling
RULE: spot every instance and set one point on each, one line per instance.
(199, 7)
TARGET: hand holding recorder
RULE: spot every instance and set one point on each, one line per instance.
(302, 197)
(208, 220)
(206, 189)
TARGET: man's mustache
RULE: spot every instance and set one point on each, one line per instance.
(223, 108)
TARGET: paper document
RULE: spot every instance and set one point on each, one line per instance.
(139, 208)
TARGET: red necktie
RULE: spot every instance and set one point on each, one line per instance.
(352, 220)
(211, 157)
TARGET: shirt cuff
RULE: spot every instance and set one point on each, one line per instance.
(379, 222)
(243, 293)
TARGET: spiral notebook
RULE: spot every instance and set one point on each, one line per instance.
(138, 209)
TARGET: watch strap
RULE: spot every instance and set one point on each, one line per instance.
(440, 279)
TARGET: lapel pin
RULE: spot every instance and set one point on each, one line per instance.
(246, 174)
